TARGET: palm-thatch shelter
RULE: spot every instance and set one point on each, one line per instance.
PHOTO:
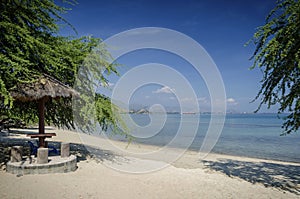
(41, 90)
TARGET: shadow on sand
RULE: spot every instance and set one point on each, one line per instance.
(81, 151)
(283, 176)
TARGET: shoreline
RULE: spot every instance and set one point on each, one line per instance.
(65, 135)
(215, 176)
(135, 146)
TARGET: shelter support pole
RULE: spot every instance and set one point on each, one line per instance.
(42, 121)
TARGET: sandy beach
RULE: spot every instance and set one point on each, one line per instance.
(105, 172)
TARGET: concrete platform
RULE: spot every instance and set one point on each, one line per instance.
(56, 164)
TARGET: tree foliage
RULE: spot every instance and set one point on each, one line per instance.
(30, 45)
(278, 54)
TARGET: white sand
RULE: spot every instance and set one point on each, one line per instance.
(188, 177)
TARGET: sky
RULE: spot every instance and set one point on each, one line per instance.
(222, 28)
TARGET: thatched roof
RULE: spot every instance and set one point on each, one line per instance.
(45, 86)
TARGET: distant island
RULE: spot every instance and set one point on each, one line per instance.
(146, 111)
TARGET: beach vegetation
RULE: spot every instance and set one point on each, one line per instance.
(277, 54)
(31, 45)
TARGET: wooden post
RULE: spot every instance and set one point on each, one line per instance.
(42, 115)
(42, 121)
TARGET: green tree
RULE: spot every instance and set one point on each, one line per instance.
(30, 45)
(277, 53)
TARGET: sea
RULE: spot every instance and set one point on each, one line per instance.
(248, 135)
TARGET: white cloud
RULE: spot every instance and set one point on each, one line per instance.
(231, 101)
(202, 100)
(164, 89)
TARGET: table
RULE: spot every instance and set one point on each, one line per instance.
(42, 137)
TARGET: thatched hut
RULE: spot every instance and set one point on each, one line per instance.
(44, 87)
(41, 90)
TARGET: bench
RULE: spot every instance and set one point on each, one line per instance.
(42, 137)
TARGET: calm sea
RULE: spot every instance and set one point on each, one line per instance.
(250, 135)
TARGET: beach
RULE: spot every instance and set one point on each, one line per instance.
(110, 174)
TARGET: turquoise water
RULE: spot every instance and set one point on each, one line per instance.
(250, 135)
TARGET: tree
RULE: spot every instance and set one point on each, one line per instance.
(30, 45)
(278, 54)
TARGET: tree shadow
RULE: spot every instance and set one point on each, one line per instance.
(23, 131)
(282, 176)
(82, 152)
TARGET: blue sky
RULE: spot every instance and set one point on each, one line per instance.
(221, 27)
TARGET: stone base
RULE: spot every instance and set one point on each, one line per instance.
(56, 164)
